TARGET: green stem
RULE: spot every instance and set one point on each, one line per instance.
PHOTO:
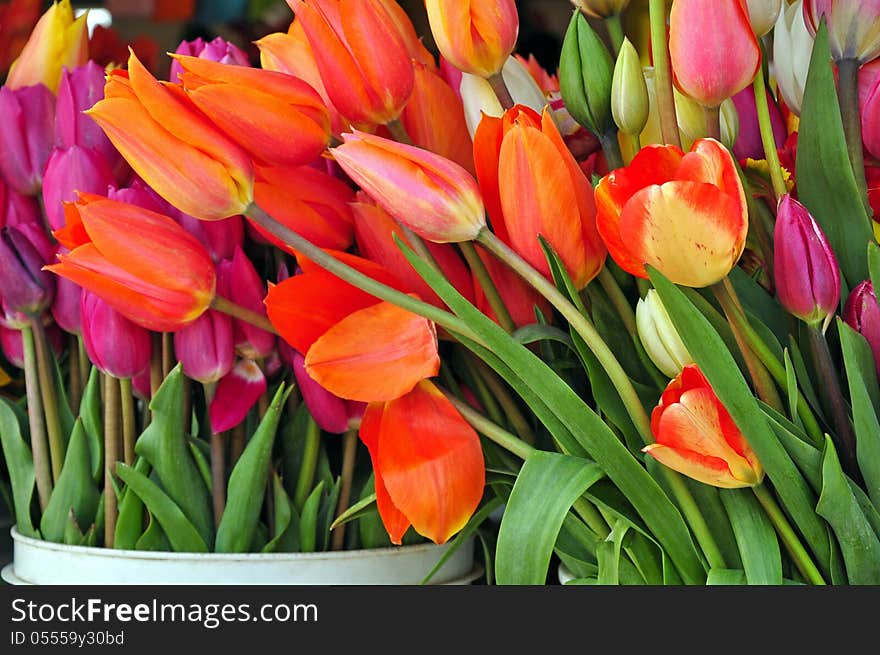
(36, 420)
(508, 405)
(713, 122)
(129, 425)
(349, 451)
(481, 389)
(398, 131)
(663, 74)
(767, 136)
(615, 31)
(848, 89)
(478, 268)
(85, 366)
(50, 399)
(167, 353)
(218, 463)
(788, 536)
(306, 478)
(492, 431)
(592, 517)
(226, 306)
(111, 456)
(502, 92)
(618, 300)
(74, 379)
(611, 148)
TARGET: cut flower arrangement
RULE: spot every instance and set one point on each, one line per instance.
(628, 304)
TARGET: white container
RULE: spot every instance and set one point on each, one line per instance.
(38, 562)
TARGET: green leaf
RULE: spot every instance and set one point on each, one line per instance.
(153, 538)
(73, 535)
(837, 504)
(130, 520)
(547, 486)
(20, 464)
(75, 489)
(308, 525)
(717, 364)
(608, 555)
(247, 483)
(874, 264)
(758, 546)
(164, 445)
(807, 457)
(356, 511)
(371, 532)
(791, 385)
(826, 184)
(182, 535)
(326, 512)
(285, 522)
(537, 332)
(93, 423)
(735, 577)
(292, 437)
(201, 463)
(65, 416)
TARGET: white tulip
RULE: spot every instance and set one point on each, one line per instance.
(763, 14)
(659, 337)
(792, 48)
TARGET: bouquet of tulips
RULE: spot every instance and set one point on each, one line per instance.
(629, 306)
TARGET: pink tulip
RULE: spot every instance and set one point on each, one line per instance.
(139, 194)
(67, 308)
(26, 138)
(247, 289)
(237, 392)
(13, 348)
(69, 171)
(115, 345)
(220, 238)
(748, 142)
(853, 26)
(205, 347)
(25, 287)
(16, 208)
(219, 50)
(862, 313)
(869, 101)
(713, 49)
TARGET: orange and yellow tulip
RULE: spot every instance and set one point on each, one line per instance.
(475, 37)
(57, 42)
(684, 214)
(173, 146)
(696, 436)
(430, 194)
(364, 62)
(428, 464)
(141, 263)
(538, 189)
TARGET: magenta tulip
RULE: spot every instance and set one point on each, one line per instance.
(70, 171)
(67, 308)
(862, 313)
(331, 413)
(748, 142)
(237, 392)
(13, 347)
(24, 286)
(27, 135)
(246, 288)
(205, 347)
(869, 102)
(16, 208)
(217, 50)
(115, 345)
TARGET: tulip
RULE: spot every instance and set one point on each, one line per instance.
(115, 345)
(659, 336)
(629, 93)
(428, 464)
(332, 414)
(71, 170)
(434, 119)
(696, 436)
(805, 270)
(601, 8)
(219, 50)
(433, 196)
(475, 37)
(58, 41)
(710, 70)
(17, 21)
(67, 308)
(237, 392)
(13, 347)
(478, 97)
(541, 192)
(546, 82)
(364, 63)
(173, 146)
(862, 313)
(792, 47)
(205, 347)
(355, 346)
(872, 175)
(748, 141)
(141, 263)
(869, 103)
(25, 287)
(408, 35)
(16, 208)
(279, 119)
(246, 289)
(684, 214)
(26, 138)
(763, 15)
(853, 27)
(586, 70)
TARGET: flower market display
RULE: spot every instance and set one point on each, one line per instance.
(611, 320)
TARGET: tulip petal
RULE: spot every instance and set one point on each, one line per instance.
(709, 470)
(377, 353)
(237, 392)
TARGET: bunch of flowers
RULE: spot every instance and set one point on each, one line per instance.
(631, 305)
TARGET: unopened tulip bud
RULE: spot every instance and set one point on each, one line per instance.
(329, 411)
(853, 27)
(25, 287)
(629, 94)
(748, 141)
(70, 171)
(869, 104)
(659, 336)
(219, 50)
(692, 120)
(13, 347)
(792, 46)
(806, 271)
(862, 313)
(247, 289)
(205, 347)
(763, 14)
(26, 138)
(16, 208)
(115, 345)
(67, 308)
(79, 90)
(586, 70)
(601, 8)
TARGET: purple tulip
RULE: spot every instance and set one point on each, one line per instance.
(115, 345)
(70, 171)
(748, 142)
(216, 50)
(806, 271)
(237, 392)
(862, 313)
(26, 288)
(27, 135)
(205, 347)
(247, 289)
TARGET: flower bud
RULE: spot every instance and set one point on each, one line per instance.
(13, 347)
(862, 313)
(67, 308)
(792, 47)
(219, 50)
(629, 94)
(205, 347)
(869, 104)
(692, 119)
(853, 27)
(27, 134)
(115, 345)
(659, 336)
(585, 75)
(601, 8)
(763, 14)
(806, 271)
(748, 140)
(247, 289)
(24, 286)
(70, 171)
(479, 98)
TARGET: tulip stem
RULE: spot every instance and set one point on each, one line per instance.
(767, 136)
(155, 364)
(129, 427)
(218, 462)
(167, 353)
(306, 478)
(848, 90)
(499, 86)
(615, 32)
(789, 538)
(492, 431)
(74, 378)
(111, 455)
(618, 377)
(349, 452)
(499, 393)
(478, 268)
(226, 306)
(713, 122)
(611, 148)
(36, 420)
(663, 74)
(398, 131)
(50, 399)
(85, 366)
(618, 300)
(237, 444)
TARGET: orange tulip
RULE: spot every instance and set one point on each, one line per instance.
(697, 437)
(407, 33)
(428, 464)
(364, 63)
(141, 263)
(430, 194)
(684, 214)
(173, 146)
(278, 118)
(713, 49)
(475, 37)
(356, 347)
(537, 189)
